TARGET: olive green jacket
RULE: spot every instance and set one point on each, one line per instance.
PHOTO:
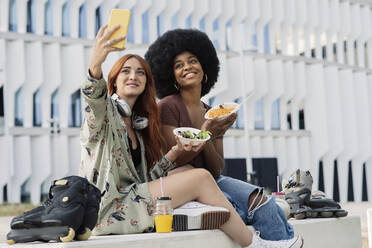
(126, 205)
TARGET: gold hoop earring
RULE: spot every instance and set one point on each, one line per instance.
(176, 85)
(206, 77)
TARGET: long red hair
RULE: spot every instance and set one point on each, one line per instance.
(145, 106)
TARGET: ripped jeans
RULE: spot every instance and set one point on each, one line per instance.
(269, 219)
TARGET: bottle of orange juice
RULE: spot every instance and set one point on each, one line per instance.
(163, 214)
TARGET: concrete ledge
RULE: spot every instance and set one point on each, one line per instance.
(330, 232)
(317, 233)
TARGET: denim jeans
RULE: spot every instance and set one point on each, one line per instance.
(268, 218)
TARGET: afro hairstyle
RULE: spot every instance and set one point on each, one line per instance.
(161, 54)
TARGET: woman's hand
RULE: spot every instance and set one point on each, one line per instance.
(177, 149)
(102, 47)
(217, 126)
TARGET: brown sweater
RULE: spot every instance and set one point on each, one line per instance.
(173, 112)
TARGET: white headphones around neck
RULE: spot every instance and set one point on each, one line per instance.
(125, 110)
(123, 107)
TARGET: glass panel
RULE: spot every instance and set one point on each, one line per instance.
(1, 110)
(66, 19)
(25, 191)
(31, 16)
(37, 108)
(159, 21)
(83, 21)
(259, 116)
(188, 22)
(228, 35)
(48, 24)
(54, 110)
(215, 34)
(1, 101)
(202, 24)
(130, 35)
(275, 115)
(12, 16)
(145, 28)
(74, 119)
(239, 123)
(254, 47)
(175, 21)
(98, 18)
(212, 101)
(266, 39)
(18, 119)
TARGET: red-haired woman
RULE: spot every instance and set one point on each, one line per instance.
(122, 151)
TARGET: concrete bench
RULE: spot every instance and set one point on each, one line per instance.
(317, 233)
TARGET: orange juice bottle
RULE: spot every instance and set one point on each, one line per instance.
(163, 215)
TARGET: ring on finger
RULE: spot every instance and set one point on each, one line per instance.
(108, 43)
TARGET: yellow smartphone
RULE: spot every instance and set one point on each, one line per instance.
(122, 17)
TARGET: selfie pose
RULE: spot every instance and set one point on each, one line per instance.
(185, 67)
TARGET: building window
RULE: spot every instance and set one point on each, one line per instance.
(2, 101)
(83, 21)
(130, 35)
(275, 115)
(25, 191)
(30, 16)
(188, 22)
(301, 119)
(175, 21)
(266, 39)
(54, 110)
(48, 18)
(239, 123)
(159, 22)
(145, 28)
(215, 34)
(259, 115)
(98, 18)
(66, 19)
(37, 108)
(228, 35)
(18, 119)
(13, 15)
(202, 24)
(74, 119)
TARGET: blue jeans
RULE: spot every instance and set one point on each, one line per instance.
(268, 218)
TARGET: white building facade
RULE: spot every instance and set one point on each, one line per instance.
(306, 64)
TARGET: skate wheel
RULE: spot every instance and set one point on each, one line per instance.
(300, 216)
(313, 214)
(10, 241)
(85, 235)
(341, 214)
(326, 214)
(69, 237)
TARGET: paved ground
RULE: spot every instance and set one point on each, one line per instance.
(359, 209)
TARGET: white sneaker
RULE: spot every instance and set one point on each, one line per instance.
(195, 215)
(257, 242)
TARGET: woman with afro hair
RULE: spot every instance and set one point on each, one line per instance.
(185, 67)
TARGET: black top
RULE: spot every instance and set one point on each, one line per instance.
(136, 153)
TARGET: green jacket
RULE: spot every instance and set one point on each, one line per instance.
(126, 205)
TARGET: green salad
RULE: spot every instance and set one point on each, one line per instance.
(202, 135)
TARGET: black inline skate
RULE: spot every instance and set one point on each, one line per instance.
(307, 204)
(61, 216)
(90, 214)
